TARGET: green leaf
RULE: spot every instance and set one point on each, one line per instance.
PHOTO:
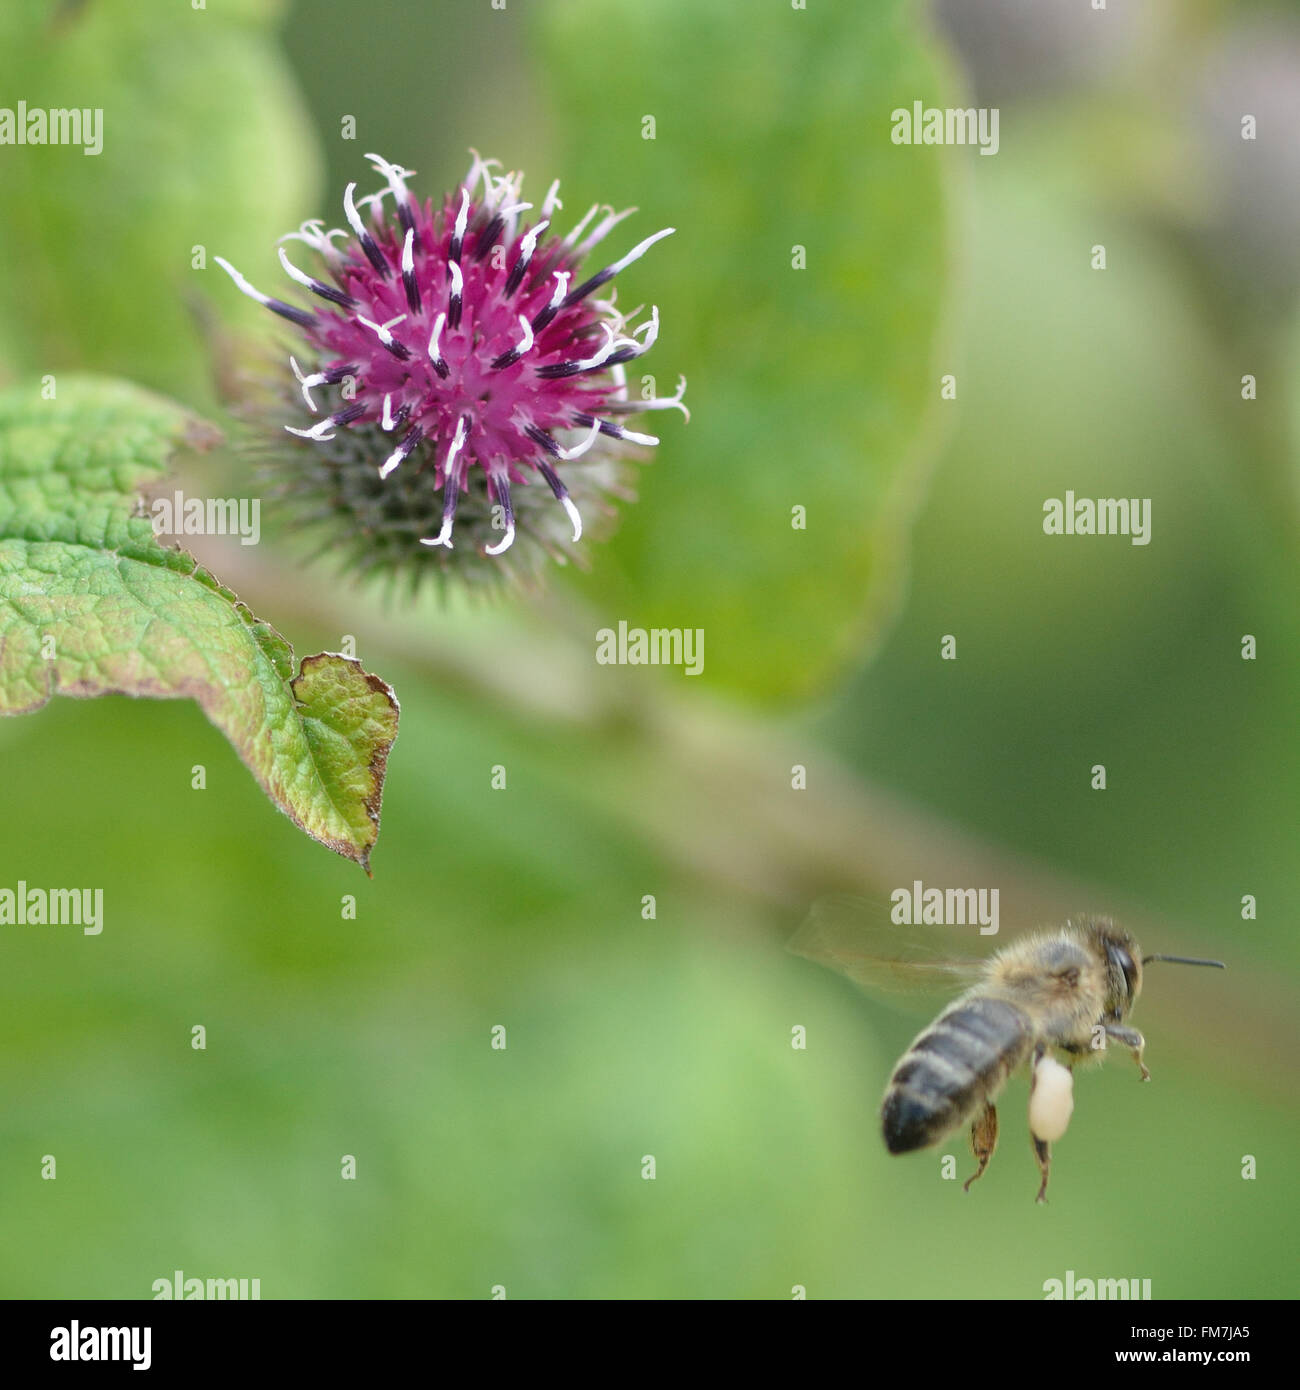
(807, 387)
(204, 144)
(92, 604)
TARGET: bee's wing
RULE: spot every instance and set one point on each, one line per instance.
(857, 937)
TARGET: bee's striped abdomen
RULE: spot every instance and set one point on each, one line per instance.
(962, 1058)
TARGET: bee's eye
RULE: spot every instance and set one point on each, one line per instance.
(1125, 962)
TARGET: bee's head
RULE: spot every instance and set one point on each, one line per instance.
(1124, 972)
(1123, 964)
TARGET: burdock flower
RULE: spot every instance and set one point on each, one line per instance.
(457, 354)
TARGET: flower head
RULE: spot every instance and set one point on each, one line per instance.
(456, 353)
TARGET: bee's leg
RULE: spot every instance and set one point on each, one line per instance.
(983, 1140)
(1043, 1153)
(1133, 1040)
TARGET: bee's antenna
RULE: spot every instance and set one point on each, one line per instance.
(1186, 960)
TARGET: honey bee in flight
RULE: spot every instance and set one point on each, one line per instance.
(1049, 1000)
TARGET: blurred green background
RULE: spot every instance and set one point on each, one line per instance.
(522, 907)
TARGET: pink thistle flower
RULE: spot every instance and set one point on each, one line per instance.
(463, 338)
